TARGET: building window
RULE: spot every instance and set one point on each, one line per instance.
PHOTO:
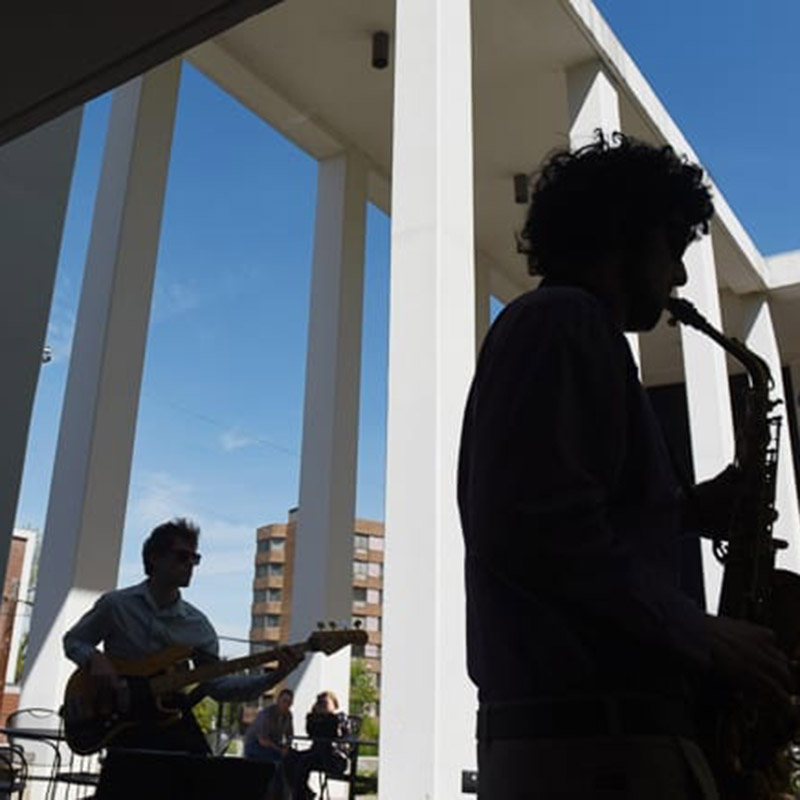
(375, 570)
(362, 542)
(262, 570)
(376, 542)
(258, 621)
(262, 546)
(358, 651)
(275, 570)
(373, 624)
(260, 596)
(374, 597)
(274, 595)
(360, 595)
(372, 651)
(273, 620)
(278, 545)
(360, 569)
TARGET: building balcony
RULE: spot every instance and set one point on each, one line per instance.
(367, 609)
(268, 582)
(267, 607)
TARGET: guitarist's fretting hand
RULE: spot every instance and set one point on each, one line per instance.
(288, 659)
(112, 688)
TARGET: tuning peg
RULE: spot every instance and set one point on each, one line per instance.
(321, 625)
(332, 625)
(357, 624)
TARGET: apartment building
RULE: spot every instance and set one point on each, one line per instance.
(273, 586)
(14, 615)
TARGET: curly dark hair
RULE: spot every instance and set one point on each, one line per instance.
(605, 196)
(163, 536)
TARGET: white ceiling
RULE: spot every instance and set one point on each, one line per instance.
(305, 67)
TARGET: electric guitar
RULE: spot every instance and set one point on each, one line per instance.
(152, 689)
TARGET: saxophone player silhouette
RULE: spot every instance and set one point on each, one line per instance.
(585, 650)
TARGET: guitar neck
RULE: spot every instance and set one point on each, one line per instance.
(173, 681)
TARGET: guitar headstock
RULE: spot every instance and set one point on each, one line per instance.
(329, 641)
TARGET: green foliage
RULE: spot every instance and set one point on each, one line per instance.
(231, 717)
(366, 783)
(370, 731)
(363, 692)
(205, 712)
(20, 665)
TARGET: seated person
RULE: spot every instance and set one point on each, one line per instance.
(270, 735)
(269, 738)
(328, 728)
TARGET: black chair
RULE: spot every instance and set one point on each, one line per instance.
(41, 732)
(349, 747)
(13, 771)
(37, 732)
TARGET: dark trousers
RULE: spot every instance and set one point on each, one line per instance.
(299, 764)
(599, 768)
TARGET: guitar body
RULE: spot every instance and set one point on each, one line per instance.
(93, 718)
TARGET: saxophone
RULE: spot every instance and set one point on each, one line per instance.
(752, 749)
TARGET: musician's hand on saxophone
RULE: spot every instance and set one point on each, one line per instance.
(712, 505)
(747, 656)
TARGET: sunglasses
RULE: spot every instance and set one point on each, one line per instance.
(186, 557)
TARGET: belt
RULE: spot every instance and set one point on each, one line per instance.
(628, 715)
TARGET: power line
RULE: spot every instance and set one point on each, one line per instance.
(226, 426)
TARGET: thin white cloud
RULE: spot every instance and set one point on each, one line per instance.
(182, 297)
(222, 584)
(232, 439)
(160, 496)
(177, 297)
(60, 333)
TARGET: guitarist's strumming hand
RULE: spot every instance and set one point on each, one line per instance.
(111, 687)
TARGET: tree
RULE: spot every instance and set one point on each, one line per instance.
(205, 712)
(363, 692)
(369, 732)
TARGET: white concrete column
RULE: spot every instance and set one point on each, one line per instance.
(759, 336)
(707, 390)
(35, 176)
(428, 704)
(89, 491)
(323, 567)
(593, 103)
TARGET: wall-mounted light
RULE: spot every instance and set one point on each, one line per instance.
(380, 49)
(521, 188)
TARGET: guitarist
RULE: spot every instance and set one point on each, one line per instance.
(141, 620)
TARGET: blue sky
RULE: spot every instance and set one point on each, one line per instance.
(728, 73)
(219, 429)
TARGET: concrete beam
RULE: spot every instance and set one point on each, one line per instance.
(89, 491)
